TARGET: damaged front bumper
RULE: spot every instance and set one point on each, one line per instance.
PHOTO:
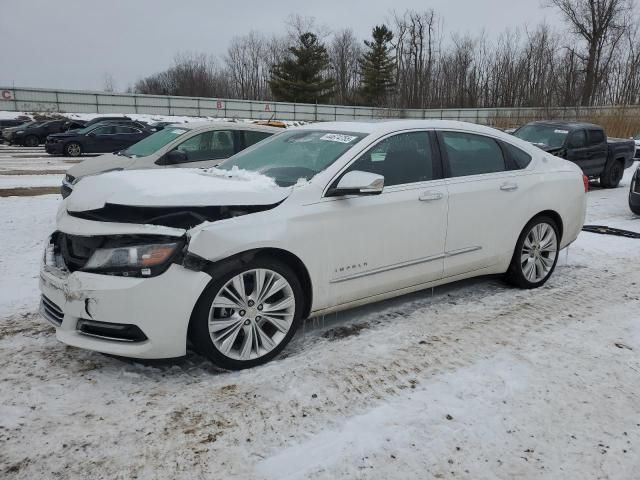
(125, 316)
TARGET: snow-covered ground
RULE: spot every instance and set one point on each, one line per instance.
(474, 380)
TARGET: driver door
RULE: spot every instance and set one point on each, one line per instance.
(394, 240)
(207, 149)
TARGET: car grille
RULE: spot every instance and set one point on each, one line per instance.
(51, 311)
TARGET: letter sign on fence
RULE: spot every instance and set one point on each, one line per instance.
(267, 108)
(6, 95)
(219, 105)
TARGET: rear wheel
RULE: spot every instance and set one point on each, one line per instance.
(31, 141)
(612, 174)
(248, 315)
(73, 149)
(635, 208)
(536, 254)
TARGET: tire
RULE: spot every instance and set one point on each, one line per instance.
(612, 174)
(73, 149)
(31, 141)
(243, 319)
(542, 259)
(634, 208)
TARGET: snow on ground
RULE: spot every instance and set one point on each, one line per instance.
(474, 380)
(11, 181)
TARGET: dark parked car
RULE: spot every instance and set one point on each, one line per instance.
(103, 137)
(8, 133)
(11, 123)
(634, 193)
(37, 134)
(584, 144)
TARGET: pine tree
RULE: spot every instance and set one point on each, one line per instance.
(377, 66)
(299, 78)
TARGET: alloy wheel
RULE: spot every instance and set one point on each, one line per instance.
(73, 150)
(539, 252)
(251, 314)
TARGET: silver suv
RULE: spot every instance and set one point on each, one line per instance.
(198, 144)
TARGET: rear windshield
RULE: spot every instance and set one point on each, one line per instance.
(297, 154)
(153, 143)
(546, 135)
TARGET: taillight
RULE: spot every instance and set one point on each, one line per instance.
(585, 180)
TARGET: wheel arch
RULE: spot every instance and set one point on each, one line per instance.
(556, 218)
(285, 256)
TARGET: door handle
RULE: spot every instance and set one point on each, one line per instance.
(430, 196)
(508, 187)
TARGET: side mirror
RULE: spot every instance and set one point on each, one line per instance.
(173, 157)
(357, 182)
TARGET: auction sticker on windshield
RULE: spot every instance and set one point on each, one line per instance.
(177, 131)
(561, 131)
(336, 137)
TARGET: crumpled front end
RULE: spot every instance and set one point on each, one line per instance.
(123, 312)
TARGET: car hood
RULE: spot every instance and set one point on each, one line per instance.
(100, 164)
(175, 188)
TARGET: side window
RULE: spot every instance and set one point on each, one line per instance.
(578, 139)
(519, 158)
(471, 154)
(596, 137)
(107, 130)
(403, 158)
(208, 146)
(129, 130)
(251, 137)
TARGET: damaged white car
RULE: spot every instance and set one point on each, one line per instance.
(310, 221)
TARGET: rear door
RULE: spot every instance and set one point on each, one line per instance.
(598, 151)
(487, 191)
(578, 150)
(126, 136)
(251, 137)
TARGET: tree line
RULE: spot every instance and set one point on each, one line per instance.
(410, 61)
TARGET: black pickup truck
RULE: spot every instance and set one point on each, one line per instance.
(586, 145)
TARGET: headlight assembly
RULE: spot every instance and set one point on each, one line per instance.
(135, 260)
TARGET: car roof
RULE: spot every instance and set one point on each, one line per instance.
(566, 124)
(382, 127)
(213, 125)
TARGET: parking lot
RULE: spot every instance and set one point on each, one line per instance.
(472, 380)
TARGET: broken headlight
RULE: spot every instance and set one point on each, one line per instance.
(133, 261)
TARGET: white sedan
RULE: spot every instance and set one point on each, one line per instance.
(310, 221)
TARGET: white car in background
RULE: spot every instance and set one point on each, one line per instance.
(185, 145)
(314, 220)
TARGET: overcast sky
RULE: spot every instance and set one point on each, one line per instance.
(74, 43)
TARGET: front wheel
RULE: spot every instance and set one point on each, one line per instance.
(536, 254)
(248, 315)
(73, 149)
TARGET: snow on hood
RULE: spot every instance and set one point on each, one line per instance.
(175, 187)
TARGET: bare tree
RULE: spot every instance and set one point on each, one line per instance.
(601, 23)
(108, 83)
(344, 53)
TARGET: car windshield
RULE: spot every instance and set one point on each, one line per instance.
(154, 142)
(548, 135)
(298, 154)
